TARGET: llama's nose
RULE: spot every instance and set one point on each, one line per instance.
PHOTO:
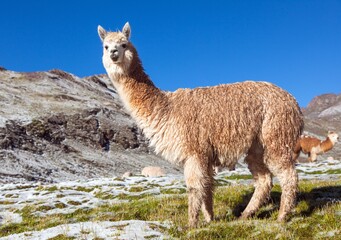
(113, 51)
(114, 54)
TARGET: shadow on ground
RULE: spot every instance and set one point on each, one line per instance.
(316, 198)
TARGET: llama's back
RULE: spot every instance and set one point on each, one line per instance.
(225, 120)
(307, 143)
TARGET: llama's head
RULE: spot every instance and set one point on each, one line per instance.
(117, 50)
(333, 136)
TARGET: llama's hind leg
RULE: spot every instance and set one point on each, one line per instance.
(199, 181)
(208, 188)
(286, 173)
(263, 183)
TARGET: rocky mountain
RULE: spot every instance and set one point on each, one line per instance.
(55, 126)
(326, 106)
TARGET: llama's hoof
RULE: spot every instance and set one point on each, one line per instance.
(282, 218)
(244, 216)
(208, 218)
(192, 225)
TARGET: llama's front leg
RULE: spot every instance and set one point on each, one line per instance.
(313, 156)
(199, 181)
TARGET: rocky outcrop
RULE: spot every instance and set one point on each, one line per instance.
(153, 171)
(55, 126)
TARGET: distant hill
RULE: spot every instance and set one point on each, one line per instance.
(324, 106)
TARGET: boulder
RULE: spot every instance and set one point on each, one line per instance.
(153, 171)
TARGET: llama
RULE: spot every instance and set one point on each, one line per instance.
(313, 146)
(212, 126)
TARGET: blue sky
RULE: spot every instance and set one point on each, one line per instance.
(295, 44)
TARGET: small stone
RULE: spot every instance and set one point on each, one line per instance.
(127, 174)
(153, 171)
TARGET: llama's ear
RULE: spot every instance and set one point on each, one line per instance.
(126, 30)
(101, 32)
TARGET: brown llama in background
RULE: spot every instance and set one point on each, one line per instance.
(313, 146)
(205, 127)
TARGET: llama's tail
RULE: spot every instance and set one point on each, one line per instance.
(297, 149)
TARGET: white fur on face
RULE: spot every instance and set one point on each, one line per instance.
(117, 56)
(119, 47)
(333, 137)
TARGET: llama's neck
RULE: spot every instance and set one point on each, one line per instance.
(142, 99)
(327, 145)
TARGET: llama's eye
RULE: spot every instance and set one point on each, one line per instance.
(106, 47)
(124, 45)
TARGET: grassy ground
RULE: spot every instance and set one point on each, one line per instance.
(316, 216)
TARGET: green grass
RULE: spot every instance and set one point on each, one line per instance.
(239, 177)
(173, 190)
(60, 205)
(61, 237)
(84, 189)
(317, 214)
(330, 171)
(48, 189)
(5, 202)
(137, 189)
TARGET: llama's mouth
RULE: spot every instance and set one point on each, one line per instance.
(114, 57)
